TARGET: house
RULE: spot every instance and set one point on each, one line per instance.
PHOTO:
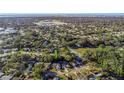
(1, 29)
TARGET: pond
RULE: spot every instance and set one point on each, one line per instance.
(48, 75)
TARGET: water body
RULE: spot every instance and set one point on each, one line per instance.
(63, 15)
(7, 30)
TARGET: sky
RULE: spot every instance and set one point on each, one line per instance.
(61, 6)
